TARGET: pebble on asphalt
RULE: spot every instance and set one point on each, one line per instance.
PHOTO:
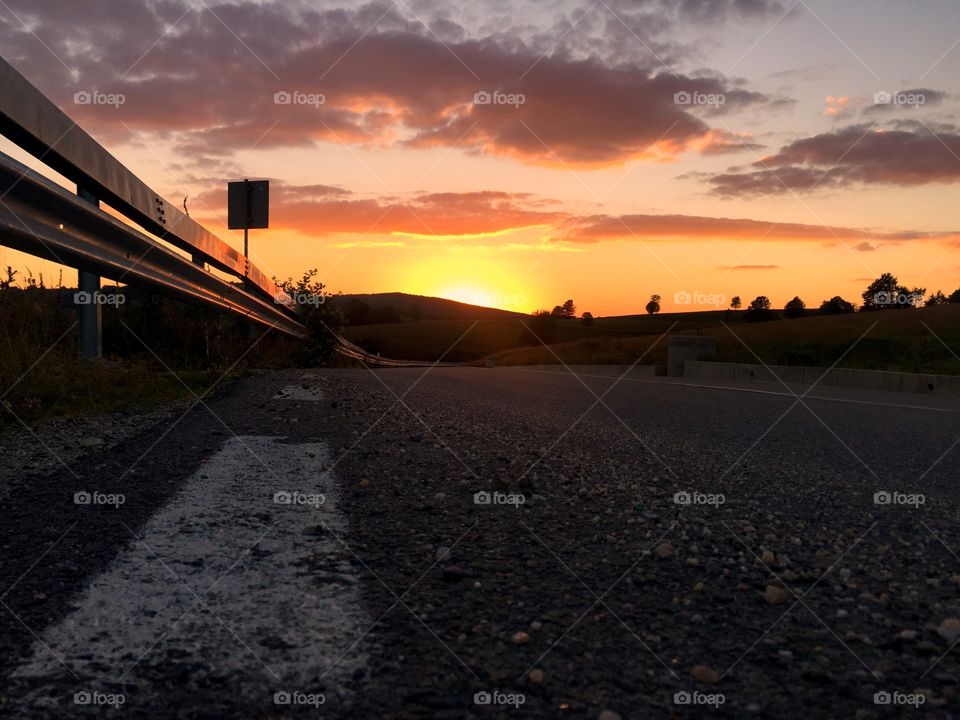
(520, 638)
(536, 676)
(775, 595)
(665, 551)
(705, 674)
(949, 630)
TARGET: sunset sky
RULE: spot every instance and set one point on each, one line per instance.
(518, 153)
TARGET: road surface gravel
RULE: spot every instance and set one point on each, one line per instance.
(498, 543)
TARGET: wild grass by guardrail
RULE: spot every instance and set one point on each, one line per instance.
(153, 348)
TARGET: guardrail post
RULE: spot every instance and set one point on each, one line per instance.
(89, 314)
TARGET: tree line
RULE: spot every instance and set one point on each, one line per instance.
(884, 293)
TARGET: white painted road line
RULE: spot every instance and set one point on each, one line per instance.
(279, 599)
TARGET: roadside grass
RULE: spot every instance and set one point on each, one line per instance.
(42, 375)
(63, 385)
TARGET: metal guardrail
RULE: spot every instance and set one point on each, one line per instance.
(32, 121)
(39, 217)
(355, 352)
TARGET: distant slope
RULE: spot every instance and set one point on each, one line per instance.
(430, 308)
(921, 340)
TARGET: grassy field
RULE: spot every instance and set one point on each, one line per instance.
(922, 340)
(470, 339)
(42, 375)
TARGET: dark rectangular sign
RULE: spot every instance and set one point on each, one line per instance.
(248, 204)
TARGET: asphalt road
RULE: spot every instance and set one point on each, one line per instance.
(458, 543)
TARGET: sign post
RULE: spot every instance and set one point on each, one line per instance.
(248, 206)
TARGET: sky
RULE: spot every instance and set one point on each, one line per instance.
(516, 154)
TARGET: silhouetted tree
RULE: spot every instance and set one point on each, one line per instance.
(795, 308)
(569, 309)
(836, 306)
(954, 297)
(653, 307)
(321, 318)
(937, 298)
(587, 319)
(886, 293)
(541, 328)
(759, 310)
(736, 303)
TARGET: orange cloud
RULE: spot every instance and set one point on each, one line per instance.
(323, 210)
(600, 228)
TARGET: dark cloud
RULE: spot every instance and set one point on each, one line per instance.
(209, 77)
(807, 73)
(908, 154)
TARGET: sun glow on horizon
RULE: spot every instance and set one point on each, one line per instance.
(485, 298)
